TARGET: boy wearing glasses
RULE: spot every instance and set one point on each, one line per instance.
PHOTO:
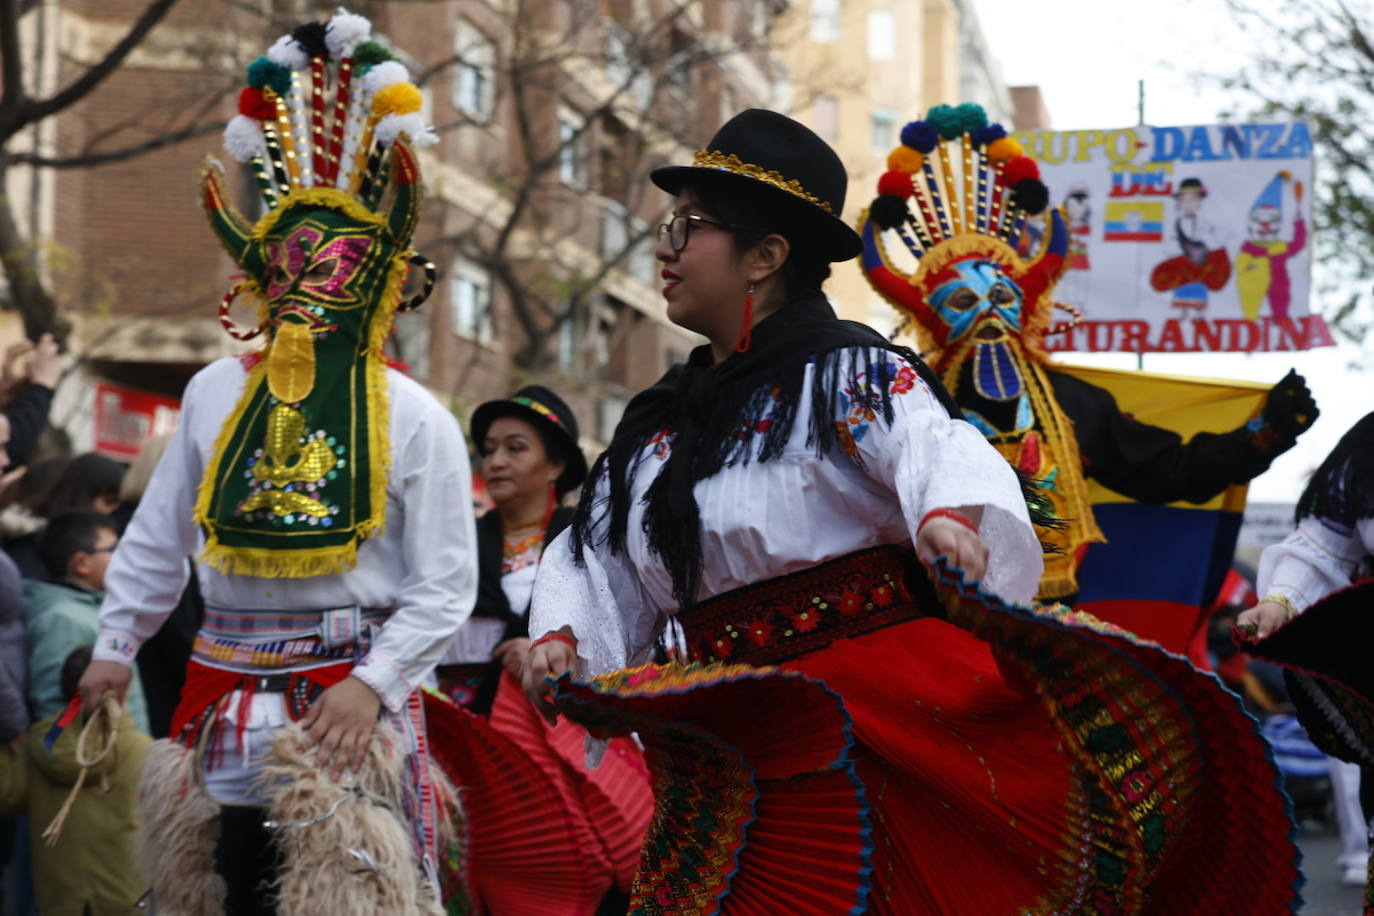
(62, 613)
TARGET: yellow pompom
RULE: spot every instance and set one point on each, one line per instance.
(402, 98)
(904, 159)
(1004, 150)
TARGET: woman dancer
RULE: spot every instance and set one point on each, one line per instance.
(854, 741)
(512, 766)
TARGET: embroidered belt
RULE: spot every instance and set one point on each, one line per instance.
(779, 619)
(333, 627)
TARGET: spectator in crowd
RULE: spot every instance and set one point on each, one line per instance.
(28, 376)
(91, 869)
(20, 519)
(162, 659)
(90, 481)
(63, 612)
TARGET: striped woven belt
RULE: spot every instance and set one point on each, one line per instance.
(249, 640)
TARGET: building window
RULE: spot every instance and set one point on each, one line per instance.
(410, 342)
(470, 300)
(882, 38)
(608, 414)
(474, 78)
(572, 149)
(627, 237)
(825, 117)
(567, 344)
(825, 21)
(883, 135)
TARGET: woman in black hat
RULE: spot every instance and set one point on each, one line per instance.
(512, 765)
(865, 732)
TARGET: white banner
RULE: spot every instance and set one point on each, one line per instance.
(1184, 238)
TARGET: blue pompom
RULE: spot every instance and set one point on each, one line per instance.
(920, 136)
(265, 73)
(985, 135)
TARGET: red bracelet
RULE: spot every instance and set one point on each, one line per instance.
(555, 636)
(951, 514)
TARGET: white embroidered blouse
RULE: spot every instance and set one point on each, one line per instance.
(1316, 559)
(762, 520)
(423, 566)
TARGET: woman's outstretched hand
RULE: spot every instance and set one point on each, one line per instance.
(1262, 619)
(940, 535)
(546, 659)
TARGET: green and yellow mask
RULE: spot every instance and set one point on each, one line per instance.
(298, 477)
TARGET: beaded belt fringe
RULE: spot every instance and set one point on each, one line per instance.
(779, 619)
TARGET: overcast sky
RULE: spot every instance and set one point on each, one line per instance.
(1087, 56)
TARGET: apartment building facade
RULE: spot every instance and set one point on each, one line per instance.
(539, 214)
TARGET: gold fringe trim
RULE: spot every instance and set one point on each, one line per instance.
(321, 197)
(729, 162)
(273, 563)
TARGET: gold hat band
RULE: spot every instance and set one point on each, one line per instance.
(729, 162)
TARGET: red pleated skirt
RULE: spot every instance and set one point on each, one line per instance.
(999, 761)
(545, 835)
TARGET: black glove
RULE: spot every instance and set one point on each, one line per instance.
(1290, 409)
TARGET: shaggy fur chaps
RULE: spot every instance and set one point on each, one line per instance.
(345, 846)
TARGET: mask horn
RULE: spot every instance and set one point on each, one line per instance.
(232, 229)
(1046, 270)
(884, 278)
(405, 206)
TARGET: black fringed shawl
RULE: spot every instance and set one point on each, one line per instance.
(705, 407)
(1342, 489)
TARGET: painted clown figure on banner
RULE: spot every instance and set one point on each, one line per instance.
(1262, 262)
(327, 497)
(982, 314)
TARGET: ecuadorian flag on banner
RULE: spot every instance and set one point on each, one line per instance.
(1162, 564)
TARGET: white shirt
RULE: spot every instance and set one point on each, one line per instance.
(423, 566)
(1318, 558)
(481, 635)
(761, 520)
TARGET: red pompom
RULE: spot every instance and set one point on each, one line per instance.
(896, 184)
(253, 104)
(1018, 170)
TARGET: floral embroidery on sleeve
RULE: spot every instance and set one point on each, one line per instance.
(865, 401)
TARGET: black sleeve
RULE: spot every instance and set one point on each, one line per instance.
(28, 416)
(1150, 463)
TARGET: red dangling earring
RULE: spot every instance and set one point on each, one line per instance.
(746, 325)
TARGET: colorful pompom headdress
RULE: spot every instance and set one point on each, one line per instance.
(946, 216)
(981, 309)
(298, 478)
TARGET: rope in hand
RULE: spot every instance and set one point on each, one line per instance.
(103, 724)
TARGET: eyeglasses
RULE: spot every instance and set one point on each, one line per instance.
(678, 229)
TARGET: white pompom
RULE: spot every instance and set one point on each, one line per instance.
(412, 125)
(288, 53)
(387, 73)
(345, 31)
(243, 138)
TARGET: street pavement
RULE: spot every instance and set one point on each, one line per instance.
(1325, 894)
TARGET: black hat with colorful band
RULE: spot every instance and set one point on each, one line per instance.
(546, 411)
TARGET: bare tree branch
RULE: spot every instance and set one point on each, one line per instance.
(105, 157)
(100, 71)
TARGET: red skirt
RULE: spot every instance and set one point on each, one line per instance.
(987, 760)
(545, 835)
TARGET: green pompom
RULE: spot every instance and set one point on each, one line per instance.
(945, 120)
(971, 117)
(370, 53)
(265, 73)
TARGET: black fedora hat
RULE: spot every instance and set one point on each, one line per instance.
(784, 159)
(546, 411)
